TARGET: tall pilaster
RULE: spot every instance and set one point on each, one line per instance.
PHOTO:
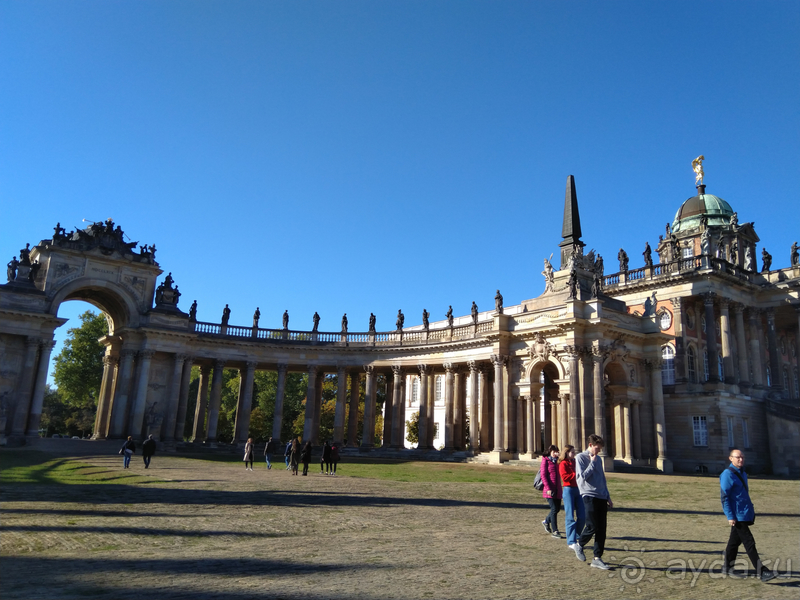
(626, 416)
(311, 395)
(636, 427)
(659, 421)
(474, 411)
(40, 386)
(509, 409)
(103, 400)
(679, 324)
(755, 348)
(499, 362)
(398, 406)
(535, 418)
(242, 425)
(485, 409)
(741, 346)
(368, 435)
(574, 395)
(762, 342)
(449, 409)
(530, 425)
(431, 409)
(280, 393)
(598, 356)
(186, 380)
(459, 408)
(317, 408)
(774, 353)
(140, 405)
(521, 424)
(171, 416)
(352, 416)
(341, 401)
(725, 334)
(388, 411)
(424, 371)
(200, 409)
(215, 399)
(711, 338)
(563, 419)
(27, 379)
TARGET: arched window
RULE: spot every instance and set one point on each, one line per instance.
(705, 365)
(668, 368)
(691, 361)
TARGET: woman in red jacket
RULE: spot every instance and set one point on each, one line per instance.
(552, 489)
(574, 516)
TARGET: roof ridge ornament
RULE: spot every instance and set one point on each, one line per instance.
(697, 167)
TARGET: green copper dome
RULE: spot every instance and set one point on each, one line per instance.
(691, 213)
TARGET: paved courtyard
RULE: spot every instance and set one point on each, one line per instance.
(189, 528)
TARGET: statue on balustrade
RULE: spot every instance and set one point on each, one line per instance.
(669, 231)
(734, 251)
(371, 323)
(449, 316)
(720, 252)
(572, 284)
(59, 232)
(766, 260)
(315, 318)
(705, 243)
(425, 316)
(795, 257)
(226, 315)
(12, 269)
(166, 295)
(599, 267)
(549, 278)
(650, 305)
(597, 286)
(344, 323)
(498, 303)
(734, 224)
(648, 255)
(286, 319)
(25, 256)
(256, 317)
(474, 312)
(401, 318)
(193, 311)
(622, 257)
(748, 259)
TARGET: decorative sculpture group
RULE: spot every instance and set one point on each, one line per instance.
(166, 295)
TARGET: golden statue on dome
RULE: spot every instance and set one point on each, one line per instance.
(697, 167)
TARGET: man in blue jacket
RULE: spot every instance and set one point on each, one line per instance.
(738, 508)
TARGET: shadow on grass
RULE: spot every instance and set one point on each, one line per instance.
(137, 531)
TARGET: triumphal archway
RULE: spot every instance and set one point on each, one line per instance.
(551, 369)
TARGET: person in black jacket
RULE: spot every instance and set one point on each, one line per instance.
(326, 459)
(127, 450)
(305, 456)
(269, 449)
(148, 449)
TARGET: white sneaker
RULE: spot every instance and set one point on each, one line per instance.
(598, 563)
(576, 547)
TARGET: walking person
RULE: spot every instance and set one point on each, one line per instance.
(326, 458)
(305, 456)
(248, 454)
(148, 449)
(574, 512)
(738, 508)
(287, 454)
(127, 450)
(592, 485)
(552, 489)
(269, 449)
(334, 458)
(294, 455)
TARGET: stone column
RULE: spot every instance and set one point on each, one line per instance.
(574, 432)
(484, 444)
(797, 340)
(563, 419)
(711, 338)
(530, 421)
(368, 434)
(119, 408)
(626, 417)
(215, 399)
(536, 419)
(40, 385)
(521, 403)
(199, 427)
(341, 401)
(398, 407)
(431, 409)
(242, 425)
(554, 409)
(499, 402)
(762, 342)
(659, 420)
(26, 384)
(586, 399)
(619, 432)
(509, 410)
(317, 408)
(598, 356)
(186, 380)
(474, 411)
(725, 334)
(140, 405)
(311, 394)
(103, 400)
(423, 406)
(171, 416)
(449, 408)
(459, 408)
(774, 353)
(741, 346)
(679, 323)
(280, 392)
(352, 418)
(755, 348)
(388, 411)
(636, 427)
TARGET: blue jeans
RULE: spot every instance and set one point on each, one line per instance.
(286, 460)
(574, 514)
(126, 459)
(269, 464)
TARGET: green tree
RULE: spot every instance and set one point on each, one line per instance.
(78, 368)
(413, 428)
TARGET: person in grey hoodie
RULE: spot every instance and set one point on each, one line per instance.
(596, 500)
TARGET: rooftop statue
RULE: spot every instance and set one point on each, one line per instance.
(25, 256)
(648, 255)
(766, 259)
(549, 278)
(256, 317)
(226, 315)
(193, 311)
(597, 286)
(371, 323)
(721, 246)
(622, 257)
(498, 303)
(669, 231)
(734, 251)
(425, 315)
(474, 312)
(166, 294)
(449, 316)
(344, 323)
(795, 256)
(697, 167)
(572, 285)
(400, 320)
(12, 269)
(748, 259)
(315, 318)
(599, 267)
(286, 319)
(705, 243)
(734, 220)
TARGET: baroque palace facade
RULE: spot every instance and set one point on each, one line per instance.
(672, 363)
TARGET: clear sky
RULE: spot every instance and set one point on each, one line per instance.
(369, 156)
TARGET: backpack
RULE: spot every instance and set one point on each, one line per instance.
(538, 484)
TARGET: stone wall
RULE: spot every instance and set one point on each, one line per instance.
(784, 440)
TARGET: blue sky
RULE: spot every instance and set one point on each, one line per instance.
(368, 156)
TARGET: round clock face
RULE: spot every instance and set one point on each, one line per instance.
(665, 321)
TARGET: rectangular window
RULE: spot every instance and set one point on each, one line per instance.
(415, 391)
(687, 252)
(436, 431)
(700, 431)
(439, 397)
(731, 441)
(745, 434)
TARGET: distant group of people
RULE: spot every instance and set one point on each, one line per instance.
(295, 453)
(580, 481)
(129, 449)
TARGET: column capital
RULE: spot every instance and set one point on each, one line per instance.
(677, 303)
(219, 363)
(738, 307)
(563, 396)
(708, 298)
(724, 303)
(251, 365)
(397, 370)
(653, 363)
(110, 360)
(32, 341)
(474, 368)
(448, 368)
(498, 360)
(424, 370)
(180, 357)
(770, 315)
(47, 343)
(146, 354)
(369, 369)
(282, 368)
(125, 353)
